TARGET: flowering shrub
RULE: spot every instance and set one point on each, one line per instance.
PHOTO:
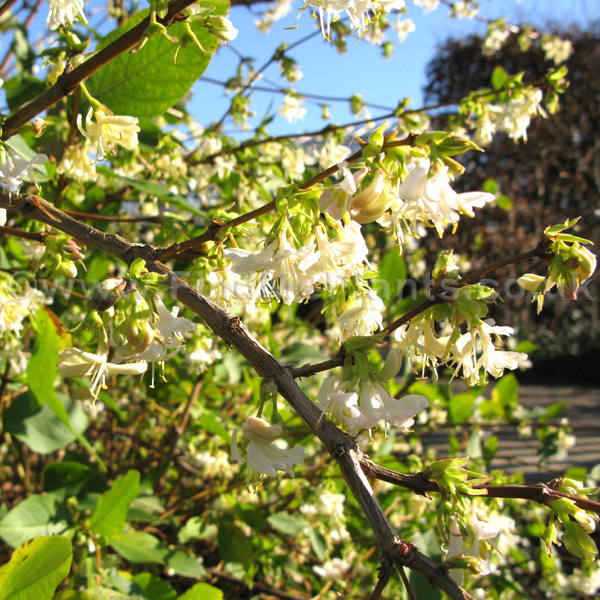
(198, 295)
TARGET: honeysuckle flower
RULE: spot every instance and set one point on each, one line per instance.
(64, 12)
(355, 411)
(403, 27)
(369, 205)
(433, 201)
(109, 131)
(281, 263)
(222, 27)
(479, 544)
(332, 569)
(74, 362)
(474, 351)
(556, 49)
(341, 405)
(14, 168)
(77, 165)
(263, 455)
(344, 256)
(14, 308)
(292, 109)
(363, 319)
(514, 118)
(337, 200)
(377, 404)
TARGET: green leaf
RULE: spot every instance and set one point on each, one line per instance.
(36, 568)
(299, 353)
(392, 275)
(95, 594)
(66, 479)
(287, 523)
(35, 516)
(499, 76)
(21, 90)
(41, 368)
(110, 515)
(318, 543)
(234, 545)
(460, 407)
(139, 547)
(153, 189)
(202, 591)
(147, 83)
(504, 202)
(152, 587)
(553, 411)
(40, 427)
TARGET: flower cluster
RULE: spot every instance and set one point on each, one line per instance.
(15, 168)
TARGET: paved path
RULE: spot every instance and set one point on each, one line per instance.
(519, 454)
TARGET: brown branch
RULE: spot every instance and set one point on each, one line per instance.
(67, 82)
(36, 236)
(231, 329)
(543, 494)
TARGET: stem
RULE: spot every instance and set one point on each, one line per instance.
(67, 82)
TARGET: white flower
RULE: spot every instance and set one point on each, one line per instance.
(14, 168)
(514, 117)
(263, 455)
(292, 109)
(342, 257)
(14, 308)
(74, 362)
(556, 49)
(332, 569)
(77, 165)
(64, 12)
(428, 5)
(403, 27)
(480, 534)
(281, 262)
(433, 201)
(363, 319)
(109, 131)
(364, 410)
(475, 351)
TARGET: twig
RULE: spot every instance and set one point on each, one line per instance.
(67, 82)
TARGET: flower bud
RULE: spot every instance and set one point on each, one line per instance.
(532, 283)
(587, 262)
(391, 366)
(260, 431)
(222, 27)
(373, 201)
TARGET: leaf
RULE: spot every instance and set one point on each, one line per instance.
(35, 516)
(139, 547)
(65, 479)
(152, 587)
(147, 83)
(110, 514)
(154, 189)
(41, 368)
(40, 427)
(392, 276)
(318, 543)
(36, 568)
(288, 524)
(21, 90)
(95, 594)
(499, 76)
(299, 353)
(202, 591)
(234, 545)
(460, 407)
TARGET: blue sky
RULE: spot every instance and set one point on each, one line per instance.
(362, 69)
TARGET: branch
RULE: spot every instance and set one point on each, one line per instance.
(542, 493)
(67, 82)
(231, 329)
